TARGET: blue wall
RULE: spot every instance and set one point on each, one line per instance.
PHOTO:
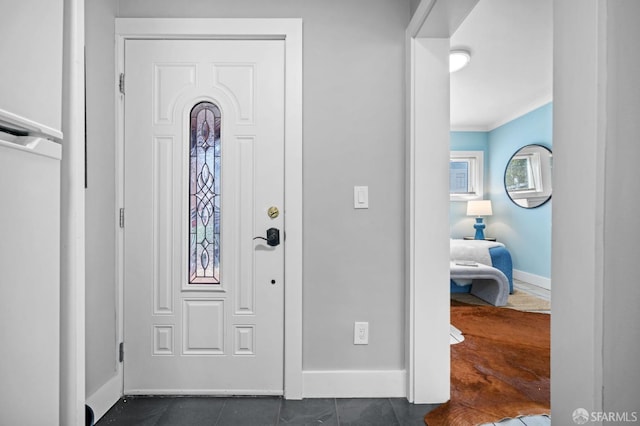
(525, 232)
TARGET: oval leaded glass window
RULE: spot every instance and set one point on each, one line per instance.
(204, 194)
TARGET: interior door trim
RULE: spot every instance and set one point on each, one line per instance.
(427, 126)
(289, 30)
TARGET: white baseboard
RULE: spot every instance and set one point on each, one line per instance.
(316, 384)
(354, 384)
(532, 279)
(105, 397)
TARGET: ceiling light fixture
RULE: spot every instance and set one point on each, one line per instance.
(458, 59)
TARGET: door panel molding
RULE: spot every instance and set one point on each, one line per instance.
(289, 30)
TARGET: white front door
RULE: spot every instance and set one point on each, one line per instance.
(204, 162)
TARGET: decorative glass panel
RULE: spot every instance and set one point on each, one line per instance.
(204, 195)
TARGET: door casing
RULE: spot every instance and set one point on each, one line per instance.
(427, 153)
(289, 30)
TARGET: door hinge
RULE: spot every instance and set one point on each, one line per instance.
(122, 218)
(121, 83)
(121, 352)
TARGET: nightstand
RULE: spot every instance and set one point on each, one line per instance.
(486, 238)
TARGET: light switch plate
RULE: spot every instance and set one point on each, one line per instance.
(361, 197)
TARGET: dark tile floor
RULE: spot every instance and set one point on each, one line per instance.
(258, 411)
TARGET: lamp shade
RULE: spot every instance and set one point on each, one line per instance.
(479, 208)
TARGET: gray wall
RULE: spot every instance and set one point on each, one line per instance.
(413, 5)
(100, 195)
(353, 135)
(25, 47)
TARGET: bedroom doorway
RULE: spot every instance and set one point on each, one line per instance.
(428, 46)
(501, 110)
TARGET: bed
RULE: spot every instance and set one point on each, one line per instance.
(493, 272)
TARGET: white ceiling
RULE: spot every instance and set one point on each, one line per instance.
(511, 69)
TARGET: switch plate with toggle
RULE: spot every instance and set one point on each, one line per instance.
(361, 197)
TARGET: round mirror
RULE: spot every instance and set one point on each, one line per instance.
(527, 178)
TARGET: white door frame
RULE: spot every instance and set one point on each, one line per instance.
(289, 30)
(428, 127)
(72, 213)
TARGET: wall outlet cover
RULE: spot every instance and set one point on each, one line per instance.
(361, 333)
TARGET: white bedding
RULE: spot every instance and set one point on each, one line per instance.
(476, 250)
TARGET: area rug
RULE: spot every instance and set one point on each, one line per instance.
(501, 369)
(519, 300)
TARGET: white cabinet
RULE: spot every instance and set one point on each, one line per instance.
(31, 35)
(29, 281)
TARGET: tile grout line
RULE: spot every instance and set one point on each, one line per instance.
(164, 412)
(393, 409)
(279, 411)
(224, 404)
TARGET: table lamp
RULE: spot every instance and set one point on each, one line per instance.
(479, 208)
